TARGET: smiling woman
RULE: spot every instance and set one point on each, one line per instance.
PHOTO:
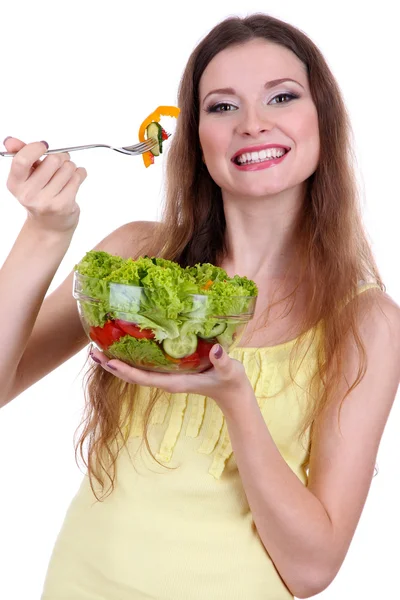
(291, 222)
(246, 481)
(252, 125)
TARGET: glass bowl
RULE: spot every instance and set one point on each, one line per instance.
(124, 323)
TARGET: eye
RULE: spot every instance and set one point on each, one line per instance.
(221, 107)
(290, 96)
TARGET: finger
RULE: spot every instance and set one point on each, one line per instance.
(169, 382)
(14, 145)
(27, 157)
(74, 181)
(220, 360)
(127, 372)
(54, 172)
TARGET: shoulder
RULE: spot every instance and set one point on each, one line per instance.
(379, 316)
(380, 331)
(378, 322)
(131, 239)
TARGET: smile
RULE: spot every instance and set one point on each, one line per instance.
(259, 159)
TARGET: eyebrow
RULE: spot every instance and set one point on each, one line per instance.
(268, 86)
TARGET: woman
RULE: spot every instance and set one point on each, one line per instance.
(245, 485)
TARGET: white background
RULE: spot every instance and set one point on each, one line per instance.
(84, 72)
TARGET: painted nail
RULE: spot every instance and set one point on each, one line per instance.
(46, 144)
(95, 358)
(218, 351)
(111, 367)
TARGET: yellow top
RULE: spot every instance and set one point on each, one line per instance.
(184, 533)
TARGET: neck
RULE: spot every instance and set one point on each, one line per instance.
(260, 234)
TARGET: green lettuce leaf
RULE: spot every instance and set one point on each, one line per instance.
(203, 273)
(231, 298)
(139, 351)
(166, 291)
(94, 313)
(99, 264)
(131, 272)
(161, 327)
(94, 267)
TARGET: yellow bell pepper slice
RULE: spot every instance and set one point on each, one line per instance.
(161, 111)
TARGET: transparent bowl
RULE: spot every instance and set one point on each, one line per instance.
(121, 321)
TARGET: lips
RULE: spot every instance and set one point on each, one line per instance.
(260, 165)
(257, 149)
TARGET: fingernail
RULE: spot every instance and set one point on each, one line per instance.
(95, 358)
(111, 367)
(46, 144)
(218, 351)
(7, 138)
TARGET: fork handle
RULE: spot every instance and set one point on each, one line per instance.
(58, 150)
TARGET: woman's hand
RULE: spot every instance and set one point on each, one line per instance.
(225, 382)
(46, 188)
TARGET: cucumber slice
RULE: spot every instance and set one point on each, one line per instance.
(218, 329)
(227, 337)
(154, 130)
(181, 346)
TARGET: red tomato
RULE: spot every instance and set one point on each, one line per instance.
(164, 134)
(204, 347)
(134, 330)
(190, 362)
(107, 335)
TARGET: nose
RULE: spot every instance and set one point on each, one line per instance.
(254, 122)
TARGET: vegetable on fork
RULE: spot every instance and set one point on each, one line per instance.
(152, 128)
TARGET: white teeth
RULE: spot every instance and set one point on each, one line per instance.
(267, 154)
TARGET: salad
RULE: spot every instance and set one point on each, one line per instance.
(154, 314)
(151, 128)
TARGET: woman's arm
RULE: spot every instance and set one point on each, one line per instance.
(307, 530)
(46, 333)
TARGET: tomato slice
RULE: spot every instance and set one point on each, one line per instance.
(107, 335)
(134, 330)
(198, 358)
(204, 347)
(192, 361)
(148, 159)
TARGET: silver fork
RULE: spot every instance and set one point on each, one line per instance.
(136, 149)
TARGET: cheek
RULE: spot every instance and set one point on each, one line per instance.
(213, 140)
(308, 130)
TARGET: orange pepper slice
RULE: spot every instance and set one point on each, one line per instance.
(165, 111)
(177, 361)
(208, 284)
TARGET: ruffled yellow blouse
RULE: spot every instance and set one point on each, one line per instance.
(186, 532)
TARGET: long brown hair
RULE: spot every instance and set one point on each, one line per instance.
(333, 251)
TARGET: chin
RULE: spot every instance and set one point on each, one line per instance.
(260, 191)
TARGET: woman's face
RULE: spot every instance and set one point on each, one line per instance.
(243, 110)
